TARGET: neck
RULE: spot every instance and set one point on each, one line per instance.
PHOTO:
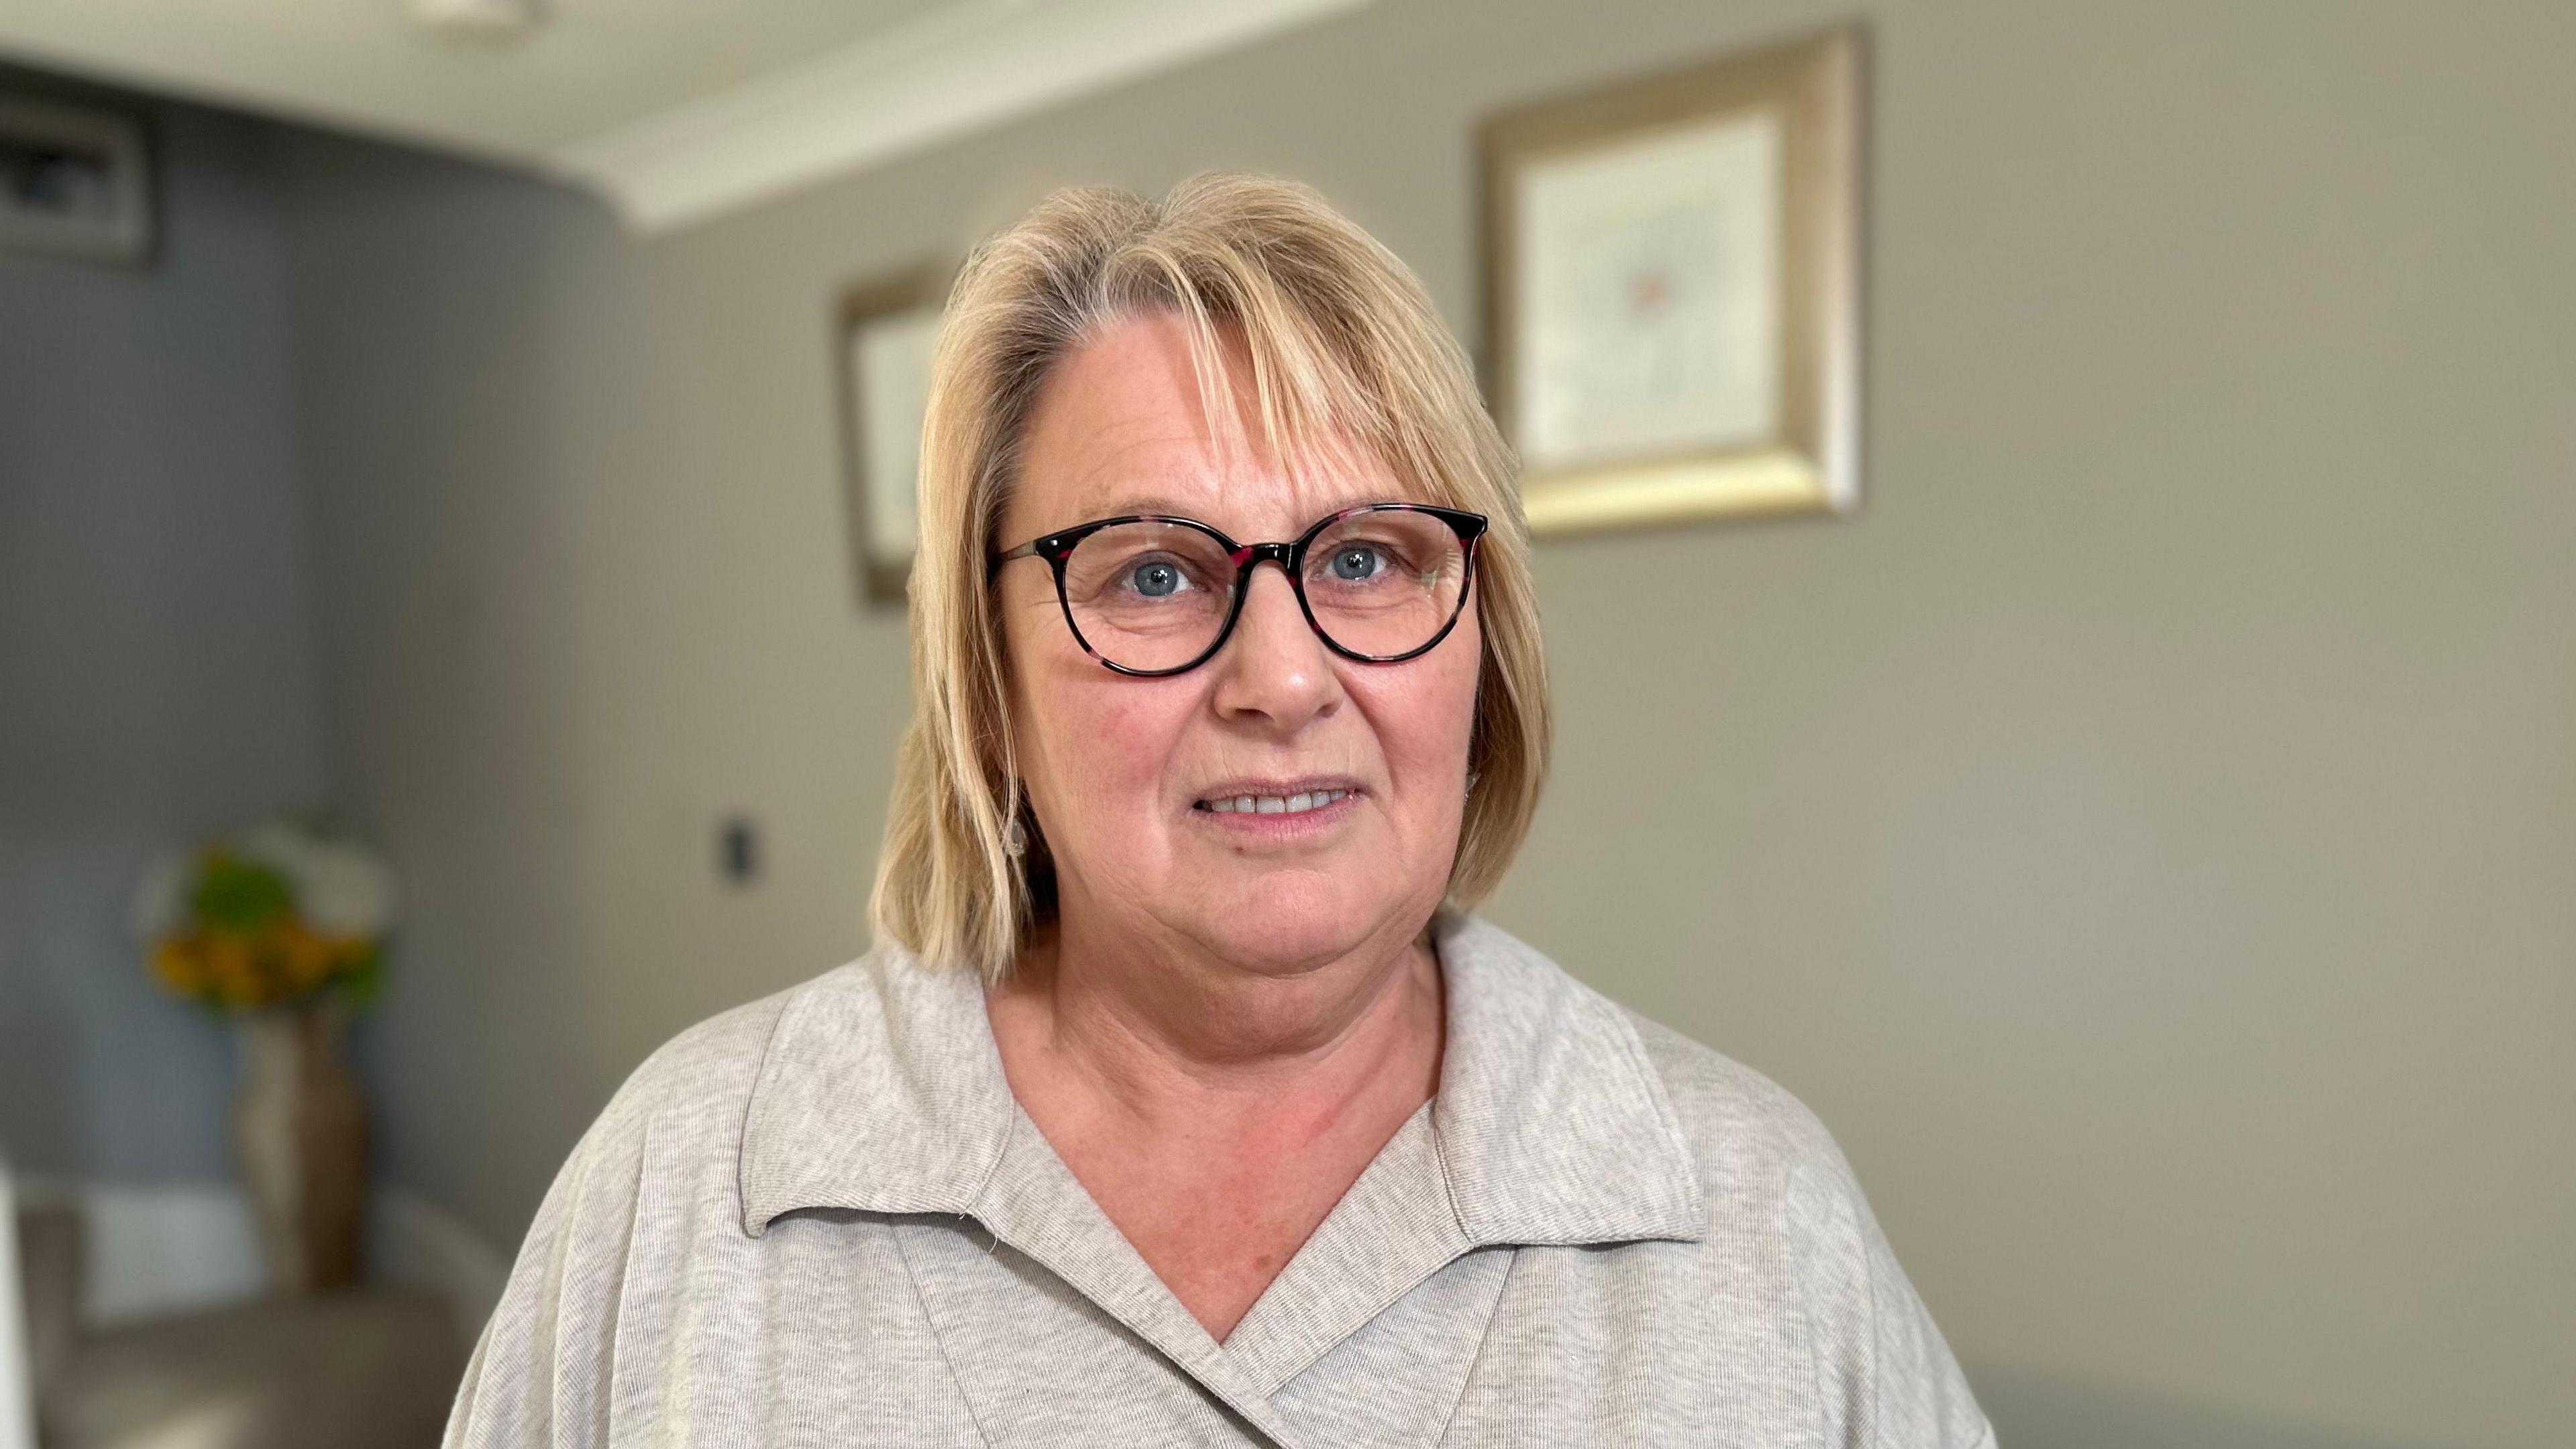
(1165, 1031)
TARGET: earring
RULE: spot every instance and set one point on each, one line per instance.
(1014, 839)
(1471, 784)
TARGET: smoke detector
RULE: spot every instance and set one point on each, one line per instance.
(488, 23)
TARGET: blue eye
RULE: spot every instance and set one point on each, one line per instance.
(1157, 580)
(1354, 563)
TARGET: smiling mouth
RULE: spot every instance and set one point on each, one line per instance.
(1296, 804)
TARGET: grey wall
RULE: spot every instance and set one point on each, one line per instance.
(2145, 833)
(157, 664)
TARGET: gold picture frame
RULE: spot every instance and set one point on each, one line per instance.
(1672, 290)
(882, 352)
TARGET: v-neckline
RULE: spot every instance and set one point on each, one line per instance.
(1388, 1231)
(1403, 1175)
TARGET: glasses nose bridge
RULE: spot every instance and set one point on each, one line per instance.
(1269, 661)
(1249, 556)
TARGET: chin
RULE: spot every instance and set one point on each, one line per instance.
(1290, 920)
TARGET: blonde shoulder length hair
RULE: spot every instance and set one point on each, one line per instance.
(1342, 343)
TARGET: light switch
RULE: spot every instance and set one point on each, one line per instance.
(738, 851)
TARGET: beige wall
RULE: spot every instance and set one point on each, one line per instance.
(2147, 833)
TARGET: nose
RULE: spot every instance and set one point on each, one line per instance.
(1274, 670)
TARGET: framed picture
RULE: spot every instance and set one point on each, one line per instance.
(887, 331)
(75, 182)
(1672, 290)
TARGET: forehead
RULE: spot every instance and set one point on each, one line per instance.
(1119, 427)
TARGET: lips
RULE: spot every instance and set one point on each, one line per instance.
(1268, 797)
(1297, 804)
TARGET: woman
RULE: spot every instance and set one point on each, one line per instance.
(1181, 1102)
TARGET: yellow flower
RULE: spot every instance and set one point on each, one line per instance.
(232, 968)
(282, 961)
(348, 953)
(177, 962)
(307, 960)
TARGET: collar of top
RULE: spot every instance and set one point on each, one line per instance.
(881, 1091)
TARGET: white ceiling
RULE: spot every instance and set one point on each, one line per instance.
(678, 109)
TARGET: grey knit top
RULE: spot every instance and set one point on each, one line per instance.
(822, 1220)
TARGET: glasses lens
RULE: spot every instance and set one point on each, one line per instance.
(1149, 595)
(1385, 581)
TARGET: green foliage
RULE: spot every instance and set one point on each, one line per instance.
(239, 896)
(359, 986)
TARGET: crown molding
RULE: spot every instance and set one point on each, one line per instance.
(951, 72)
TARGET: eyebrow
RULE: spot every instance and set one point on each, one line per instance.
(1121, 505)
(1126, 504)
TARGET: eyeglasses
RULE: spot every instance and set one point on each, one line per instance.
(1150, 595)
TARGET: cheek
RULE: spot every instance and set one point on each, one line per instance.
(1425, 719)
(1100, 744)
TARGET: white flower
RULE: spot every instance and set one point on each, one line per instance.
(160, 903)
(341, 888)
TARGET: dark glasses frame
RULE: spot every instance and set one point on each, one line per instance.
(1057, 547)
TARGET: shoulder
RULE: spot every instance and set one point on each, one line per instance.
(873, 1086)
(621, 1210)
(1742, 1126)
(705, 1073)
(708, 1065)
(1773, 1175)
(681, 1112)
(1779, 1189)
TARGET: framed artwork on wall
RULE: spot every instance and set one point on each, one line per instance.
(887, 330)
(75, 182)
(1672, 290)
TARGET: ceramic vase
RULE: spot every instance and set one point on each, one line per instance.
(301, 1128)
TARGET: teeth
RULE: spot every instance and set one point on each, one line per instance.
(1296, 804)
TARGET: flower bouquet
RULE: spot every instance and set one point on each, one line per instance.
(283, 928)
